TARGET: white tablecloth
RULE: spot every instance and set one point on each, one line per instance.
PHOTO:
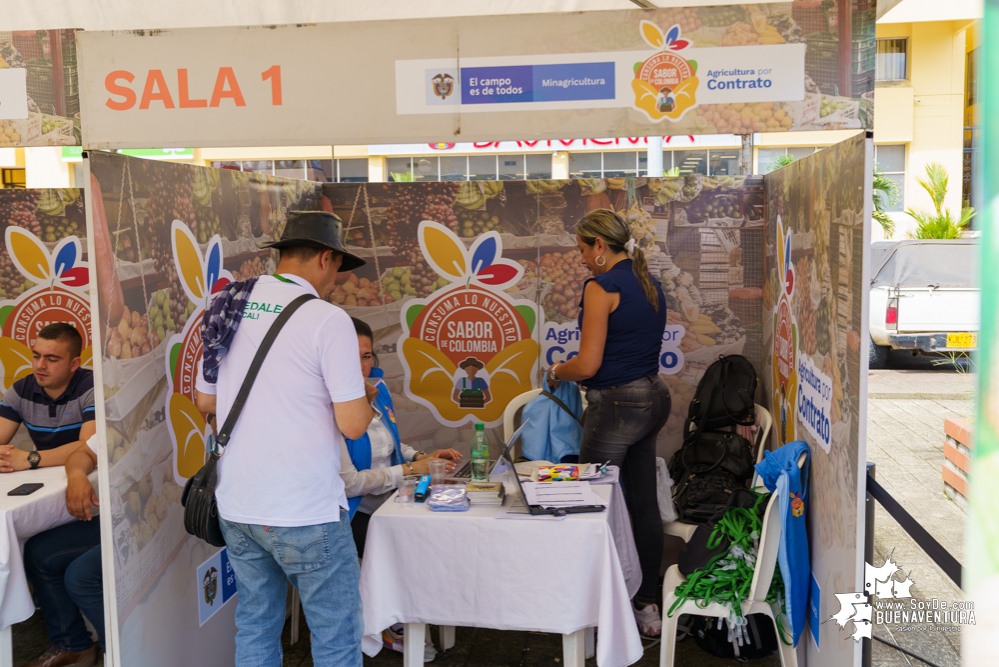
(24, 517)
(471, 569)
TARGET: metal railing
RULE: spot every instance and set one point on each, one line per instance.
(944, 560)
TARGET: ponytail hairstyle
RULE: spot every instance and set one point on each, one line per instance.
(611, 227)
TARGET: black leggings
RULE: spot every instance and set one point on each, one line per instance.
(620, 425)
(359, 525)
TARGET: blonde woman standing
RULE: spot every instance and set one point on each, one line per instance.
(621, 321)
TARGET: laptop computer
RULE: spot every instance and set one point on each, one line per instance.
(465, 471)
(537, 510)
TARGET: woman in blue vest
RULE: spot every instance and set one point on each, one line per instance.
(621, 320)
(373, 465)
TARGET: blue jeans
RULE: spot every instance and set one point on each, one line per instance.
(621, 425)
(321, 562)
(64, 567)
(85, 584)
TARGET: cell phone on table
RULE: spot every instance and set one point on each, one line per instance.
(25, 489)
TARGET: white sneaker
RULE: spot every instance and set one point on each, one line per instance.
(649, 623)
(392, 638)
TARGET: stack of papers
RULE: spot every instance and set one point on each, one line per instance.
(555, 495)
(485, 493)
(591, 471)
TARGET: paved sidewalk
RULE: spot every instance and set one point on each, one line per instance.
(906, 413)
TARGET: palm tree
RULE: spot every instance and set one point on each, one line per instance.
(939, 223)
(885, 193)
(779, 161)
(886, 196)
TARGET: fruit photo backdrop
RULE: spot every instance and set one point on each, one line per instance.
(165, 236)
(820, 202)
(53, 88)
(703, 239)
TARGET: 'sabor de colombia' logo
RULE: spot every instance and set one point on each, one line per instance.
(202, 278)
(467, 350)
(665, 84)
(58, 296)
(785, 373)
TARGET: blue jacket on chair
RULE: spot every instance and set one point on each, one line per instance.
(360, 449)
(781, 475)
(552, 433)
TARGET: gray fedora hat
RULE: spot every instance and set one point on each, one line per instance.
(317, 229)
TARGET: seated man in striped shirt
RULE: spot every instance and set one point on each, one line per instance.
(55, 403)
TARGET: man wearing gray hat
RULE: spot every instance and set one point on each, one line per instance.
(280, 497)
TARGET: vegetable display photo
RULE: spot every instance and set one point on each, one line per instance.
(167, 236)
(702, 238)
(53, 101)
(471, 289)
(814, 299)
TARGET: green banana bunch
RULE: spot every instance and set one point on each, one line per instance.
(202, 192)
(470, 195)
(50, 203)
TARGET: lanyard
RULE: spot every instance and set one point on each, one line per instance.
(726, 578)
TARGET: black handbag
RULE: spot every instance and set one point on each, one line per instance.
(201, 512)
(723, 398)
(705, 472)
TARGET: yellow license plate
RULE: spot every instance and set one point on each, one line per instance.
(962, 340)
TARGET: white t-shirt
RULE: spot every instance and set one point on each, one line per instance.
(282, 464)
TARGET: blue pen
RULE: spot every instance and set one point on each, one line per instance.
(423, 488)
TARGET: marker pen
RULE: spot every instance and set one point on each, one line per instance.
(423, 488)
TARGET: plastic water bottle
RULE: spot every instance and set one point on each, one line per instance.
(480, 454)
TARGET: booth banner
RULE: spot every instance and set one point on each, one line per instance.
(39, 88)
(814, 304)
(167, 237)
(472, 289)
(676, 71)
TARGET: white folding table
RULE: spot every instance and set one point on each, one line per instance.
(22, 517)
(471, 569)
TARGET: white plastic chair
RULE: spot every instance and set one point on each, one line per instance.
(685, 530)
(512, 407)
(755, 602)
(510, 413)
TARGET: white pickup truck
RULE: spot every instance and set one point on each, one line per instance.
(924, 298)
